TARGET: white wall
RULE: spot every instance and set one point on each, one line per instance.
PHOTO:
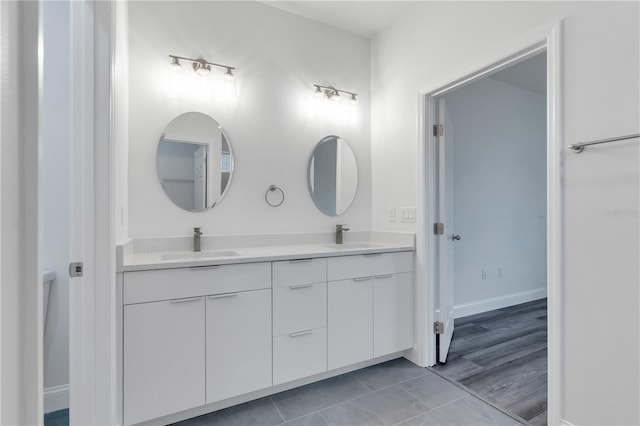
(55, 189)
(437, 42)
(120, 120)
(499, 193)
(271, 116)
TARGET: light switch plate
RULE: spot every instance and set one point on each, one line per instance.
(407, 214)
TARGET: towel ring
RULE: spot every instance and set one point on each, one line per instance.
(274, 196)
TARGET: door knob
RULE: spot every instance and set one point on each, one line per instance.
(455, 237)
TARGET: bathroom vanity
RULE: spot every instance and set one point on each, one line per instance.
(203, 331)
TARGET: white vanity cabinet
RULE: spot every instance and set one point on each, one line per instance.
(299, 319)
(216, 334)
(164, 358)
(194, 336)
(370, 306)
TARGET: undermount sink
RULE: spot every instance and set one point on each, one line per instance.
(350, 246)
(199, 254)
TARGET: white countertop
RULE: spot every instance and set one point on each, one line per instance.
(227, 256)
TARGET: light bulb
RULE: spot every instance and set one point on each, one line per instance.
(229, 75)
(354, 99)
(201, 67)
(318, 91)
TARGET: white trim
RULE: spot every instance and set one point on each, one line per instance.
(425, 241)
(56, 398)
(92, 374)
(490, 304)
(555, 257)
(565, 423)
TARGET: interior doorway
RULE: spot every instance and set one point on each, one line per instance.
(427, 244)
(491, 237)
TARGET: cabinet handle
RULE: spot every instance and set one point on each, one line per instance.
(199, 268)
(379, 277)
(222, 296)
(308, 259)
(362, 279)
(300, 333)
(294, 287)
(191, 299)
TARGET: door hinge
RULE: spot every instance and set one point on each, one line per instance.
(438, 327)
(438, 229)
(438, 130)
(76, 269)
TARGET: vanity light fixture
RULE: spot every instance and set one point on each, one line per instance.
(333, 94)
(200, 66)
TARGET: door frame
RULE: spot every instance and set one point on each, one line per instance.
(92, 331)
(424, 352)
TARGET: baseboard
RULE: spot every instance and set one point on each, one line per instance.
(565, 423)
(56, 398)
(485, 305)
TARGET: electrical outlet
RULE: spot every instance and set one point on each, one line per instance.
(484, 274)
(500, 272)
(392, 214)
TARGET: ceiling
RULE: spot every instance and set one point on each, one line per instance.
(530, 74)
(363, 18)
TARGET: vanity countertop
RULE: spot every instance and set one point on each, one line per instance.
(186, 259)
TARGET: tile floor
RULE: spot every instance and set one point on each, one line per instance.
(393, 393)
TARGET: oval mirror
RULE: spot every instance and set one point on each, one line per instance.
(333, 175)
(194, 161)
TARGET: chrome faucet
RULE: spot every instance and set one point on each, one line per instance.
(197, 234)
(340, 229)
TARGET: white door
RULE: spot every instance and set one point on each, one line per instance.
(446, 240)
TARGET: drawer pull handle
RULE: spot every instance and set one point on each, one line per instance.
(200, 268)
(300, 333)
(308, 259)
(294, 287)
(379, 277)
(222, 296)
(191, 299)
(372, 254)
(362, 279)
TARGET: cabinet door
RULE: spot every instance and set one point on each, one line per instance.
(392, 313)
(164, 358)
(350, 318)
(238, 343)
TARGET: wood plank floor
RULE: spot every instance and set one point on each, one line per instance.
(501, 355)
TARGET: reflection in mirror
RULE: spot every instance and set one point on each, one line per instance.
(194, 161)
(333, 175)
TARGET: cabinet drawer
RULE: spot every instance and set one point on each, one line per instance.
(299, 355)
(299, 271)
(164, 284)
(299, 307)
(368, 265)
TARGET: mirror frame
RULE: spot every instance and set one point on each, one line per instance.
(355, 159)
(160, 180)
